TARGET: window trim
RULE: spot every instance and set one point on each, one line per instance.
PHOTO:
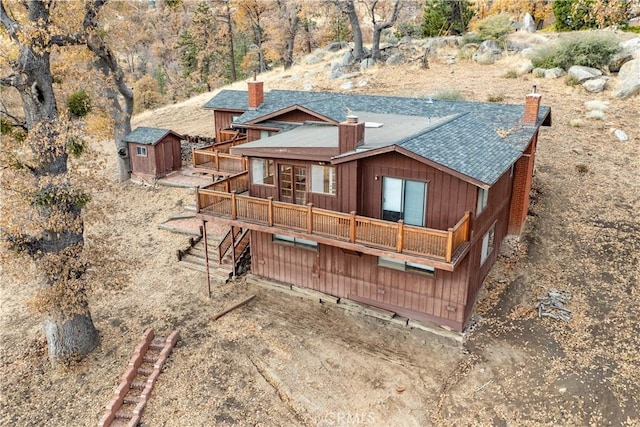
(406, 266)
(141, 151)
(335, 180)
(297, 242)
(489, 238)
(483, 200)
(266, 163)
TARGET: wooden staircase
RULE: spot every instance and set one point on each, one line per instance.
(222, 257)
(130, 397)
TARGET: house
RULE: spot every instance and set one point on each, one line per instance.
(399, 203)
(153, 152)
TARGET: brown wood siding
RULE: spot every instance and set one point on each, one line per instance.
(348, 190)
(448, 197)
(333, 271)
(295, 116)
(141, 164)
(223, 120)
(253, 135)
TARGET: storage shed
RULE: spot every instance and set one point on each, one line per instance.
(153, 152)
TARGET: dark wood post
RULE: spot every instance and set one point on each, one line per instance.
(352, 227)
(193, 157)
(467, 226)
(227, 185)
(233, 250)
(197, 199)
(270, 211)
(400, 239)
(310, 218)
(234, 208)
(206, 256)
(217, 162)
(245, 165)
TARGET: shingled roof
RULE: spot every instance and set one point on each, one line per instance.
(147, 136)
(479, 140)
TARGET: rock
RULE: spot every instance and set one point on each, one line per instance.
(538, 72)
(554, 73)
(581, 73)
(577, 150)
(335, 46)
(618, 60)
(528, 52)
(528, 24)
(621, 135)
(315, 58)
(347, 59)
(525, 68)
(366, 63)
(628, 80)
(395, 59)
(346, 86)
(363, 82)
(595, 85)
(451, 61)
(350, 75)
(631, 46)
(308, 86)
(516, 47)
(488, 52)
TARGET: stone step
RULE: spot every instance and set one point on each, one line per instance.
(124, 415)
(145, 371)
(138, 384)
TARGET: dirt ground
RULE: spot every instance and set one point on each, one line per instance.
(282, 360)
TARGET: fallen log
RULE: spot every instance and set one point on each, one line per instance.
(240, 304)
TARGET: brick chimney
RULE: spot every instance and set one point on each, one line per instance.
(350, 134)
(531, 107)
(256, 94)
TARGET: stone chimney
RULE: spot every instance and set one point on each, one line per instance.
(350, 134)
(256, 94)
(531, 107)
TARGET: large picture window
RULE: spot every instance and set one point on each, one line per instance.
(405, 266)
(488, 243)
(295, 241)
(483, 199)
(262, 171)
(323, 179)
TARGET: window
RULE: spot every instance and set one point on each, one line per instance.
(296, 241)
(483, 198)
(262, 171)
(266, 133)
(404, 199)
(323, 179)
(141, 151)
(487, 243)
(405, 266)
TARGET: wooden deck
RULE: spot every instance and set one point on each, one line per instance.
(215, 161)
(359, 233)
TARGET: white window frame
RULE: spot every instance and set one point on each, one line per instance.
(261, 170)
(406, 266)
(483, 199)
(323, 179)
(488, 243)
(295, 241)
(141, 151)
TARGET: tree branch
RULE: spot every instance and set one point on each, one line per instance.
(17, 122)
(67, 40)
(9, 23)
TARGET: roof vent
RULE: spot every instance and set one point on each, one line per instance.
(352, 119)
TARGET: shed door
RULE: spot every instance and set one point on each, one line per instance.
(168, 157)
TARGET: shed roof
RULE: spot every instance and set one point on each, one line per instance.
(147, 135)
(477, 139)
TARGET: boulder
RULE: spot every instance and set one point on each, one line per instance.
(628, 80)
(632, 47)
(488, 52)
(582, 74)
(395, 59)
(621, 135)
(363, 82)
(525, 68)
(554, 73)
(347, 58)
(366, 63)
(346, 86)
(335, 46)
(528, 24)
(595, 85)
(314, 58)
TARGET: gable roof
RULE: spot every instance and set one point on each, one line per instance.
(148, 136)
(478, 140)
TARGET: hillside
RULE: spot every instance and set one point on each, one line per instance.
(282, 360)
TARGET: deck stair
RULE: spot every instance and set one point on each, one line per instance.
(221, 256)
(130, 397)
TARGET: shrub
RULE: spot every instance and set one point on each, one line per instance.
(511, 74)
(495, 98)
(582, 168)
(79, 103)
(440, 17)
(576, 123)
(495, 27)
(448, 95)
(589, 49)
(571, 81)
(407, 29)
(146, 94)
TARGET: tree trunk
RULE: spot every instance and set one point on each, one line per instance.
(379, 27)
(70, 336)
(349, 9)
(232, 53)
(293, 30)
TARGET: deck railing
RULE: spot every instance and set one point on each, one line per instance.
(238, 183)
(348, 227)
(218, 162)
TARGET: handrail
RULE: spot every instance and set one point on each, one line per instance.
(349, 227)
(217, 161)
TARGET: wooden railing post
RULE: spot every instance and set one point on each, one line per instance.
(270, 211)
(400, 239)
(217, 160)
(245, 165)
(234, 208)
(193, 157)
(467, 226)
(227, 184)
(310, 218)
(449, 250)
(197, 199)
(352, 227)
